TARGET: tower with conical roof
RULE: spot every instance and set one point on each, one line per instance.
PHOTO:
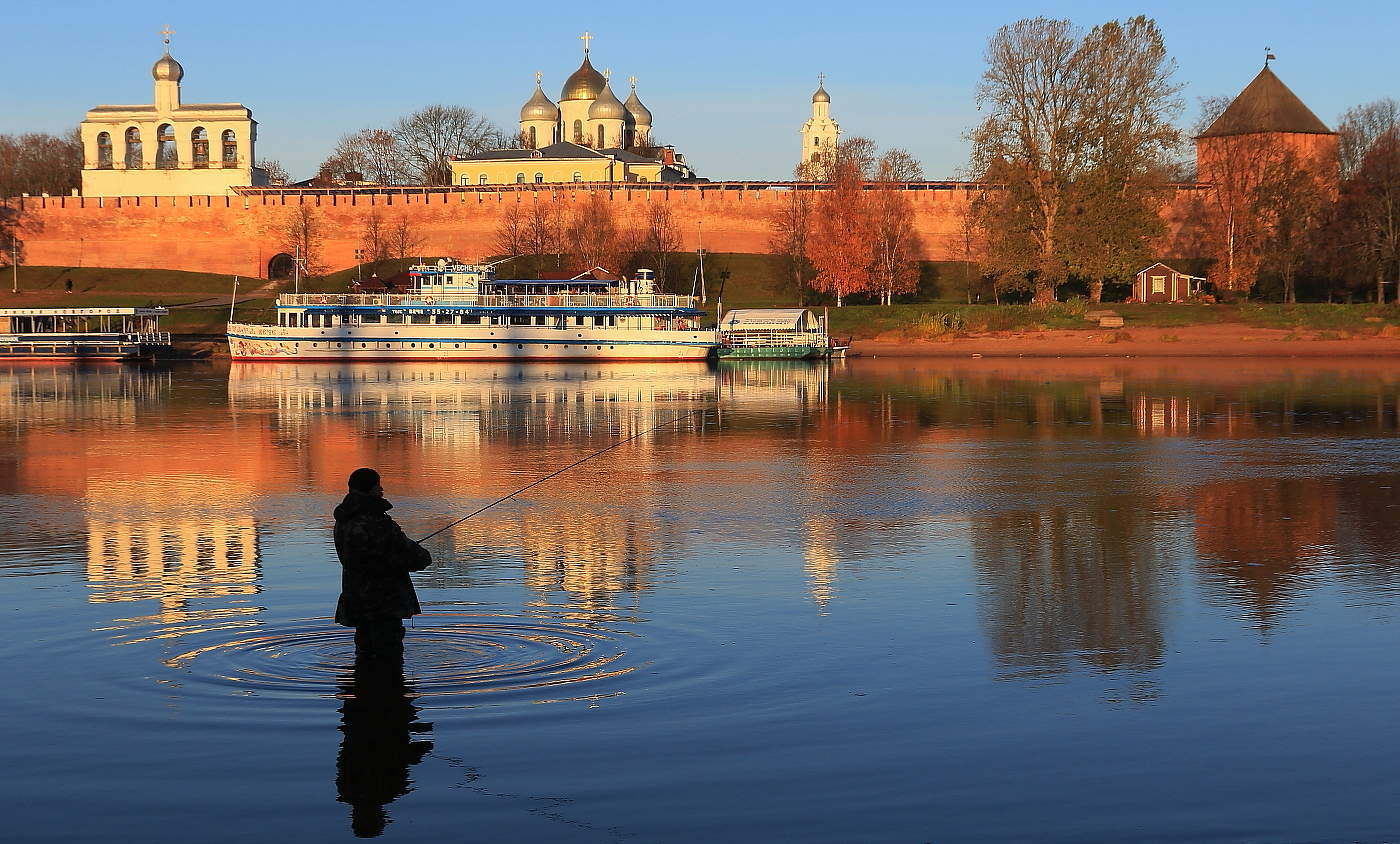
(1265, 121)
(820, 134)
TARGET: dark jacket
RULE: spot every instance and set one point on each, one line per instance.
(375, 558)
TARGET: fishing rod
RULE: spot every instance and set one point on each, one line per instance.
(673, 419)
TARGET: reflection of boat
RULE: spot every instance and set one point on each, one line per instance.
(463, 312)
(81, 333)
(773, 334)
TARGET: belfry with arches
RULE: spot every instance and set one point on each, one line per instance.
(169, 148)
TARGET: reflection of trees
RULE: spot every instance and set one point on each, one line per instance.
(1259, 538)
(1062, 585)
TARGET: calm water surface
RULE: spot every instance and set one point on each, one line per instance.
(881, 601)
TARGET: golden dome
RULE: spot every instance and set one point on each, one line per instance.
(585, 83)
(607, 106)
(539, 107)
(641, 115)
(821, 96)
(167, 69)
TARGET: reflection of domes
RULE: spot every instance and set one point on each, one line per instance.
(640, 113)
(585, 83)
(821, 96)
(167, 69)
(539, 107)
(607, 106)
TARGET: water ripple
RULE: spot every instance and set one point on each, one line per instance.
(492, 658)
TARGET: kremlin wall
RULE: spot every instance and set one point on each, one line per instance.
(241, 234)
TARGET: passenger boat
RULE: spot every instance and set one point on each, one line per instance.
(774, 334)
(81, 333)
(456, 311)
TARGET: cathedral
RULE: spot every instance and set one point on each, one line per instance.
(820, 134)
(588, 136)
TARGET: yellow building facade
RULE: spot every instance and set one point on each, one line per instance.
(168, 148)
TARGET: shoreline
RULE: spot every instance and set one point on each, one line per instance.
(1229, 340)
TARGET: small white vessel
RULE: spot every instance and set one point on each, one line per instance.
(457, 311)
(81, 333)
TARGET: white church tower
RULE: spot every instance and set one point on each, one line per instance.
(821, 133)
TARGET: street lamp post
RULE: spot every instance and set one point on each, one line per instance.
(14, 264)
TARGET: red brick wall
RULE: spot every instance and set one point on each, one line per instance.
(238, 235)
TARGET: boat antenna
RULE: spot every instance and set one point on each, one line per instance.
(556, 474)
(503, 260)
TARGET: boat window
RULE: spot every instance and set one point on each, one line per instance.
(420, 319)
(443, 319)
(539, 320)
(393, 319)
(578, 320)
(519, 320)
(471, 320)
(597, 320)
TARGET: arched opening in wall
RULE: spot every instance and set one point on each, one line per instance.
(630, 136)
(280, 266)
(602, 137)
(539, 178)
(104, 151)
(230, 148)
(134, 158)
(578, 131)
(482, 179)
(167, 157)
(533, 145)
(199, 143)
(466, 179)
(520, 178)
(578, 177)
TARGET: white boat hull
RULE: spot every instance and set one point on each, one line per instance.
(456, 342)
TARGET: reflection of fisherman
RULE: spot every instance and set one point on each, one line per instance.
(376, 593)
(378, 719)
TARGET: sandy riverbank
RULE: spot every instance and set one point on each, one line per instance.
(1217, 340)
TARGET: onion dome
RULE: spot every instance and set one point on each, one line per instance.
(821, 96)
(584, 84)
(641, 115)
(539, 107)
(166, 69)
(607, 106)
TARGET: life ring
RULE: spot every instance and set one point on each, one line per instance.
(427, 300)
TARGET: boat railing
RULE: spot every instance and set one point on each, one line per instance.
(153, 338)
(431, 300)
(776, 337)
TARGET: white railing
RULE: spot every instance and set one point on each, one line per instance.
(431, 300)
(739, 339)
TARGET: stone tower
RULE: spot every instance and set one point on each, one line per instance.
(821, 133)
(1265, 120)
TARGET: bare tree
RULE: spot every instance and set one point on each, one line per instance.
(374, 239)
(1290, 203)
(430, 136)
(1369, 207)
(790, 228)
(40, 163)
(276, 173)
(403, 238)
(659, 240)
(591, 236)
(895, 270)
(1061, 104)
(303, 234)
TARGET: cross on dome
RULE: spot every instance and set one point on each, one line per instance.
(585, 38)
(821, 79)
(539, 77)
(165, 33)
(607, 73)
(633, 81)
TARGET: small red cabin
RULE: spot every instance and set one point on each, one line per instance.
(1161, 283)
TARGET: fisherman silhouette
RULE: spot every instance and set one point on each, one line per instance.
(378, 720)
(376, 593)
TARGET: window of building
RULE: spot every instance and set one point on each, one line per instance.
(520, 178)
(578, 177)
(533, 145)
(1159, 284)
(230, 148)
(135, 160)
(167, 157)
(104, 150)
(578, 131)
(466, 180)
(482, 180)
(602, 137)
(199, 143)
(539, 178)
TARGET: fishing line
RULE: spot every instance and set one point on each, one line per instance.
(672, 420)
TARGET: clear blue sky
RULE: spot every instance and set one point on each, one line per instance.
(729, 82)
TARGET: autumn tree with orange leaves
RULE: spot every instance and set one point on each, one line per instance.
(842, 247)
